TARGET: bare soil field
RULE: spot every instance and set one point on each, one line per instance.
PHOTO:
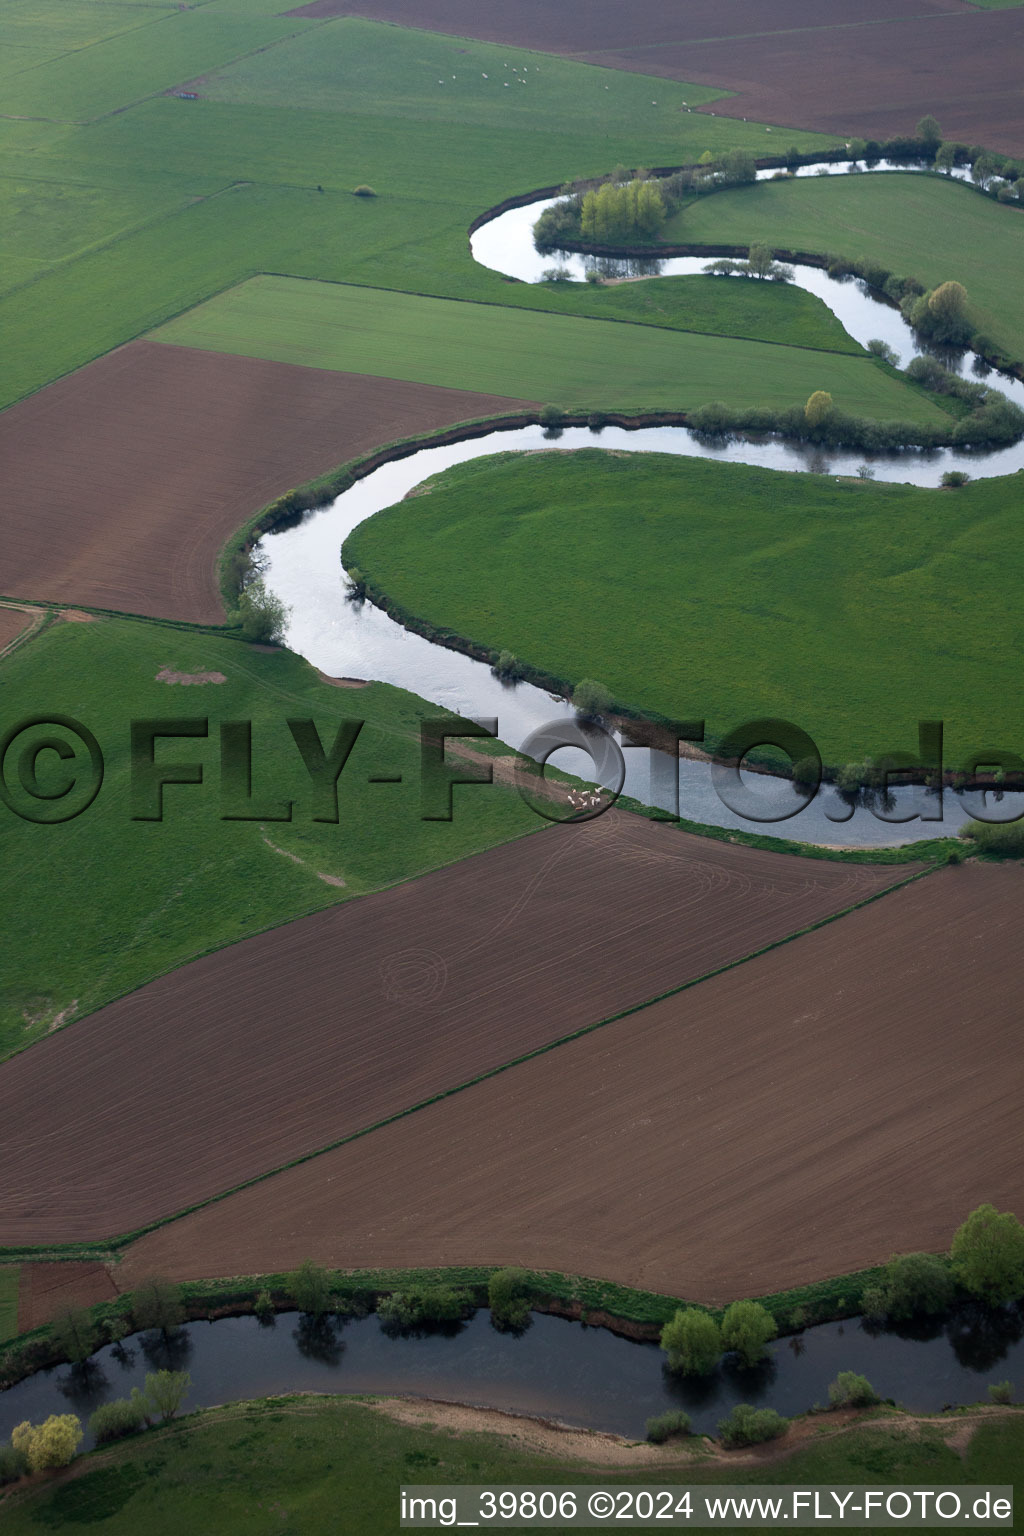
(123, 480)
(871, 71)
(849, 1095)
(272, 1048)
(12, 622)
(44, 1290)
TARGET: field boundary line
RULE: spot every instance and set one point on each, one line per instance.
(125, 1239)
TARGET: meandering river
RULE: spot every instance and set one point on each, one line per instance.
(346, 639)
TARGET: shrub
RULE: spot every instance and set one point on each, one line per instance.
(874, 1303)
(156, 1303)
(1001, 1392)
(508, 1296)
(597, 421)
(852, 1391)
(879, 348)
(747, 1328)
(116, 1328)
(13, 1464)
(590, 699)
(112, 1421)
(751, 1426)
(1003, 840)
(263, 1306)
(955, 477)
(988, 1253)
(551, 416)
(50, 1444)
(355, 584)
(363, 190)
(508, 667)
(428, 1304)
(557, 275)
(662, 1428)
(692, 1341)
(309, 1287)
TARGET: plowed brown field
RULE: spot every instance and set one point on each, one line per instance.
(846, 1096)
(871, 70)
(12, 622)
(44, 1290)
(122, 481)
(267, 1050)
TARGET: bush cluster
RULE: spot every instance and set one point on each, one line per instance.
(423, 1306)
(747, 1425)
(694, 1342)
(665, 1425)
(852, 1391)
(1005, 840)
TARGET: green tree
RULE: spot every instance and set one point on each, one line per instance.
(747, 1328)
(508, 1296)
(590, 699)
(74, 1334)
(819, 408)
(760, 261)
(262, 616)
(984, 169)
(310, 1288)
(50, 1444)
(693, 1342)
(165, 1391)
(929, 130)
(988, 1255)
(156, 1303)
(945, 158)
(915, 1283)
(739, 167)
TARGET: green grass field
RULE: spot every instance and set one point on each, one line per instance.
(9, 1278)
(571, 361)
(920, 226)
(319, 1466)
(701, 590)
(142, 897)
(771, 312)
(435, 169)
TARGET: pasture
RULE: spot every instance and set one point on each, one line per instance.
(139, 898)
(571, 361)
(919, 226)
(696, 590)
(245, 176)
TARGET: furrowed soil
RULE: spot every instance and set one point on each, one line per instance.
(870, 71)
(258, 1054)
(123, 481)
(844, 1097)
(45, 1290)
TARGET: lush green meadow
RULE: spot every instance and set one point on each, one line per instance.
(256, 168)
(572, 361)
(773, 312)
(700, 590)
(317, 1466)
(920, 226)
(96, 906)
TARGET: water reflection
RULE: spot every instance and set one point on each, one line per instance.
(580, 1375)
